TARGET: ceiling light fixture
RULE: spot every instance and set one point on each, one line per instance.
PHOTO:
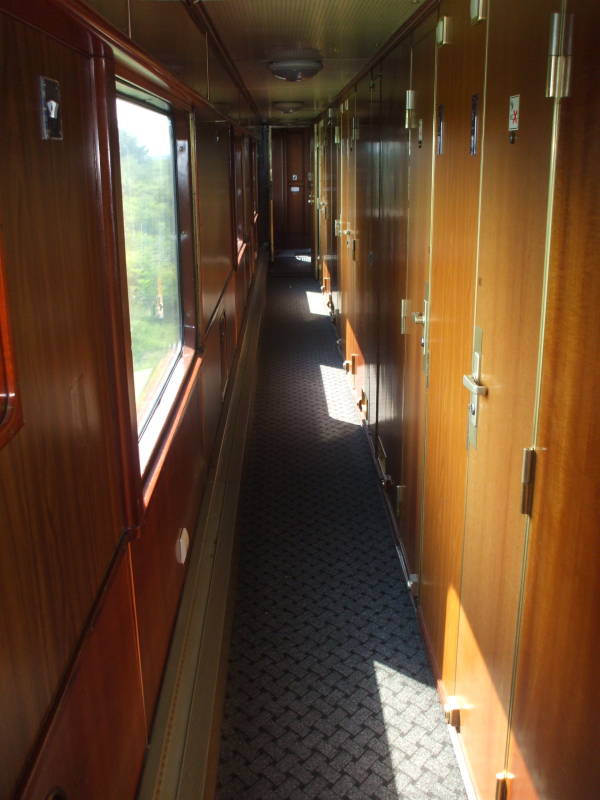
(295, 69)
(288, 106)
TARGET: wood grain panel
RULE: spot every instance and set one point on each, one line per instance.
(60, 499)
(460, 75)
(213, 201)
(158, 577)
(212, 380)
(95, 744)
(290, 156)
(555, 734)
(11, 413)
(514, 201)
(418, 256)
(391, 255)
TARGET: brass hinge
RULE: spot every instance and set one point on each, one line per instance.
(527, 480)
(400, 491)
(413, 584)
(560, 49)
(503, 780)
(452, 713)
(404, 314)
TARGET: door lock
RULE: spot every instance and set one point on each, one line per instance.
(418, 318)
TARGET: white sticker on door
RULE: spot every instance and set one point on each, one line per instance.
(513, 112)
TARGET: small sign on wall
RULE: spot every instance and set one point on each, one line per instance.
(514, 112)
(51, 110)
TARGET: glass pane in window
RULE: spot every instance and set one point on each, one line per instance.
(150, 217)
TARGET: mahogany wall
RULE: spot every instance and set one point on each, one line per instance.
(90, 583)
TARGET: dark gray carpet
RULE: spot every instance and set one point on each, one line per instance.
(292, 262)
(329, 693)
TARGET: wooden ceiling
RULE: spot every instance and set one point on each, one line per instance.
(345, 34)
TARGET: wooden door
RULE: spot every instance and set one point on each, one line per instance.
(460, 72)
(512, 235)
(417, 289)
(555, 734)
(291, 185)
(347, 228)
(391, 261)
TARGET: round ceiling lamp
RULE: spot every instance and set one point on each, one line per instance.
(295, 69)
(288, 106)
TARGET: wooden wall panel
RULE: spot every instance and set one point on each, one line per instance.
(460, 75)
(213, 148)
(417, 277)
(391, 257)
(60, 496)
(512, 235)
(158, 577)
(555, 733)
(94, 747)
(212, 380)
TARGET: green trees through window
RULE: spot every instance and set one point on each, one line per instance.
(150, 219)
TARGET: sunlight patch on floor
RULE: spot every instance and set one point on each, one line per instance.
(316, 304)
(339, 402)
(305, 259)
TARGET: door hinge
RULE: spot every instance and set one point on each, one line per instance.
(413, 584)
(503, 780)
(336, 136)
(404, 314)
(400, 491)
(355, 129)
(527, 480)
(452, 713)
(560, 50)
(409, 117)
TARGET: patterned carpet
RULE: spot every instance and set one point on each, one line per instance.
(329, 694)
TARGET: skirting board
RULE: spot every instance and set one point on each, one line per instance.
(181, 760)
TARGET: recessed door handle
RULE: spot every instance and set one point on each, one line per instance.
(473, 387)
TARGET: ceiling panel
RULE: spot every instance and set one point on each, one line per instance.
(345, 34)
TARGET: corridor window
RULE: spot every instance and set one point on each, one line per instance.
(151, 244)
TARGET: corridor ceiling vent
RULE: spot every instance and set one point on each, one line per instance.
(288, 106)
(295, 69)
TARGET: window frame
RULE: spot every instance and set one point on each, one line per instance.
(154, 434)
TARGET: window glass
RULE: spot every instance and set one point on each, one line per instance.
(150, 219)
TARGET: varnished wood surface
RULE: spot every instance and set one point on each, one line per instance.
(391, 253)
(95, 745)
(157, 576)
(60, 498)
(554, 744)
(418, 237)
(291, 209)
(214, 213)
(514, 198)
(11, 414)
(460, 75)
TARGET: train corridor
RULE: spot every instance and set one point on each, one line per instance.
(329, 693)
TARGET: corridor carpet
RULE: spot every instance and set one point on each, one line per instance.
(329, 694)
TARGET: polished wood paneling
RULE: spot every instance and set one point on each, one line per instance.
(213, 201)
(11, 413)
(418, 257)
(460, 74)
(554, 743)
(512, 232)
(212, 380)
(157, 576)
(95, 744)
(291, 157)
(390, 242)
(60, 476)
(347, 208)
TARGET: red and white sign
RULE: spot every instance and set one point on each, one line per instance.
(513, 112)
